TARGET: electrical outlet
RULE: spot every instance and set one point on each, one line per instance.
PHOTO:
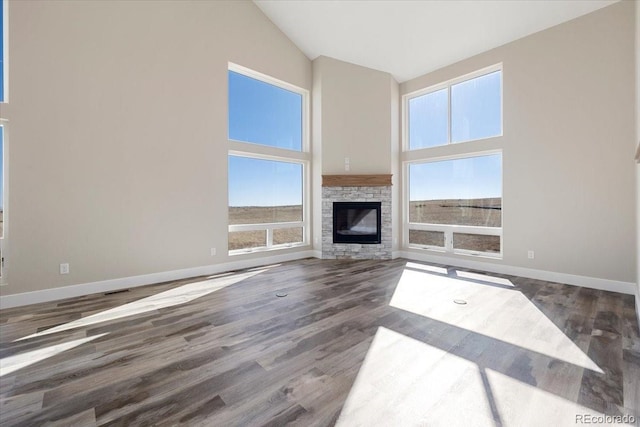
(213, 251)
(347, 164)
(530, 254)
(64, 268)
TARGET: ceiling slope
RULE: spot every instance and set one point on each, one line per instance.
(411, 38)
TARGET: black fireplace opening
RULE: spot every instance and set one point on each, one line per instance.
(357, 222)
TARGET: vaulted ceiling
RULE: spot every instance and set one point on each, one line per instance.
(411, 38)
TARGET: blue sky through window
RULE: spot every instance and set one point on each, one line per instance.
(476, 108)
(468, 178)
(264, 114)
(258, 182)
(476, 112)
(428, 120)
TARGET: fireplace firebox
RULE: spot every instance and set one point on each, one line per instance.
(357, 222)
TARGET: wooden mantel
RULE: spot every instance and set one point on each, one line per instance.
(356, 180)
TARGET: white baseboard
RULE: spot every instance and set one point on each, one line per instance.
(45, 295)
(16, 300)
(550, 276)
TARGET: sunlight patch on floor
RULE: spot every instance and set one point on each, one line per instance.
(13, 363)
(496, 312)
(172, 297)
(403, 381)
(521, 404)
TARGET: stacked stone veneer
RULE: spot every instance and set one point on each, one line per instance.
(356, 250)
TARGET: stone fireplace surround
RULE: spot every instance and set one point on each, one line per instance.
(356, 188)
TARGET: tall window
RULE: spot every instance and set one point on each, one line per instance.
(456, 111)
(454, 204)
(268, 163)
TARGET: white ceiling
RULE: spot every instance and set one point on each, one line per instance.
(411, 38)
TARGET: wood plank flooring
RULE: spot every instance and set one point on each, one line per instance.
(354, 343)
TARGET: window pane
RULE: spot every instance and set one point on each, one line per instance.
(263, 113)
(457, 192)
(428, 117)
(476, 108)
(287, 235)
(262, 191)
(429, 238)
(476, 242)
(247, 239)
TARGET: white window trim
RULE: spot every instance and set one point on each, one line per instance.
(269, 227)
(447, 85)
(265, 152)
(447, 229)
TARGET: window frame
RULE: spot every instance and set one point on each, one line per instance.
(247, 72)
(447, 85)
(264, 152)
(450, 229)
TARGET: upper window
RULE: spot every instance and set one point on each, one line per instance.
(262, 113)
(460, 111)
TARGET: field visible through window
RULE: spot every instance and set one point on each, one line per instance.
(262, 215)
(485, 212)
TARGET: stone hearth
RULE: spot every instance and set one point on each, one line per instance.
(376, 193)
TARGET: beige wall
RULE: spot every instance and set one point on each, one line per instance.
(568, 144)
(118, 133)
(356, 120)
(118, 149)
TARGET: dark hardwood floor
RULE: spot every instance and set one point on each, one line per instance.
(353, 343)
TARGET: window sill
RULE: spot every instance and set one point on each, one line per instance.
(441, 251)
(237, 252)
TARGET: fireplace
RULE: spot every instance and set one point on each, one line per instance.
(357, 222)
(356, 217)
